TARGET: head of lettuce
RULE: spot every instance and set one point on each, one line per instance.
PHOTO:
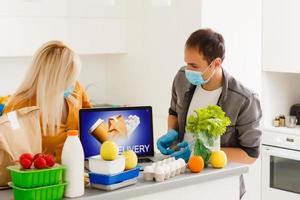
(207, 125)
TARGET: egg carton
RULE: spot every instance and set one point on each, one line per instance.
(165, 169)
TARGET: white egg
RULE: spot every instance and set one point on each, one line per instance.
(167, 171)
(181, 161)
(159, 163)
(148, 173)
(149, 169)
(178, 166)
(159, 170)
(173, 169)
(159, 174)
(153, 165)
(165, 161)
(183, 165)
(169, 160)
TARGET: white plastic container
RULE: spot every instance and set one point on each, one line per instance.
(100, 166)
(73, 159)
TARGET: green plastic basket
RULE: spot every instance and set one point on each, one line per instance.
(52, 192)
(32, 178)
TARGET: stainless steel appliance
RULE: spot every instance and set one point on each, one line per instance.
(281, 165)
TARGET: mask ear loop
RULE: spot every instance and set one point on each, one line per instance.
(211, 74)
(207, 68)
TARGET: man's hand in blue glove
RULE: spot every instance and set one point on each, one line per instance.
(184, 152)
(166, 141)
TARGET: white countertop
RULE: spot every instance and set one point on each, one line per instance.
(143, 188)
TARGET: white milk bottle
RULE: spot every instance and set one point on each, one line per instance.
(73, 159)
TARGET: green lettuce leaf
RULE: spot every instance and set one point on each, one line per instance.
(211, 121)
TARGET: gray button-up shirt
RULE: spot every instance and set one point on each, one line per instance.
(240, 104)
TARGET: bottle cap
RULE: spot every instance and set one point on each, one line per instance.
(72, 133)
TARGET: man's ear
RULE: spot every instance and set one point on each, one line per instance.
(218, 62)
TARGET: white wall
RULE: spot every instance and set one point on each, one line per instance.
(157, 34)
(93, 77)
(240, 24)
(93, 73)
(12, 72)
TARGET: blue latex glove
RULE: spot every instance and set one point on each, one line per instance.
(184, 152)
(164, 142)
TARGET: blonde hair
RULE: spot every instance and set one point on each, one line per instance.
(54, 68)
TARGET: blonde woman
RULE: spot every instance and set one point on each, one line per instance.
(51, 85)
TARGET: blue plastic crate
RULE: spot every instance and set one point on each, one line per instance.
(115, 178)
(1, 108)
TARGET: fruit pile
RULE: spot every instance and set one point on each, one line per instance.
(37, 177)
(40, 161)
(218, 159)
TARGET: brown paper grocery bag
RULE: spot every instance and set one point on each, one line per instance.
(117, 127)
(20, 132)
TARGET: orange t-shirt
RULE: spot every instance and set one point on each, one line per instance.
(54, 144)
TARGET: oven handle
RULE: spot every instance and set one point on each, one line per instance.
(280, 152)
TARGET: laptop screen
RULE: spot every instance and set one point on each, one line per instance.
(130, 127)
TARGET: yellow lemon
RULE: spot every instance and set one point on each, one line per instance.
(130, 159)
(109, 150)
(218, 159)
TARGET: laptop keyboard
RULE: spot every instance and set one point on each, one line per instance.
(144, 160)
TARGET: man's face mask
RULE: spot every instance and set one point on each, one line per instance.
(196, 77)
(68, 91)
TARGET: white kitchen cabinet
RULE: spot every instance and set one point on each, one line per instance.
(97, 8)
(97, 36)
(63, 8)
(281, 30)
(89, 27)
(33, 8)
(23, 36)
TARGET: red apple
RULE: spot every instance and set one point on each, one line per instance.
(25, 163)
(38, 155)
(40, 163)
(49, 160)
(26, 156)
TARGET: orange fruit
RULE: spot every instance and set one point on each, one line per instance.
(196, 164)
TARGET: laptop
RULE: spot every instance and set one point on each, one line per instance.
(130, 127)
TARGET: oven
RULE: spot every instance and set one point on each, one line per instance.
(280, 166)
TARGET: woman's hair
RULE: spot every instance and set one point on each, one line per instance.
(54, 68)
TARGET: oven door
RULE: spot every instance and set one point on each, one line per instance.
(280, 173)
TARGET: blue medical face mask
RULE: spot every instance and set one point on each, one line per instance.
(68, 91)
(196, 77)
